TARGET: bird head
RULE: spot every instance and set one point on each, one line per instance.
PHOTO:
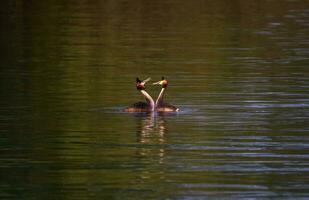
(140, 85)
(163, 82)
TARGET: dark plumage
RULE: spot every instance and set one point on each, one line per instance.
(138, 107)
(166, 108)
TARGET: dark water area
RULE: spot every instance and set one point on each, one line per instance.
(238, 71)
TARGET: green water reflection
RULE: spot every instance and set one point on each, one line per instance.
(237, 70)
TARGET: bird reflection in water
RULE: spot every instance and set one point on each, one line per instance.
(152, 136)
(151, 128)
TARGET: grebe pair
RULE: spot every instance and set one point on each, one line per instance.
(151, 106)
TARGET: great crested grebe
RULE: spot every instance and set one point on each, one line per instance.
(160, 105)
(142, 106)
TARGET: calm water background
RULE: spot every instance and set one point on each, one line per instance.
(239, 71)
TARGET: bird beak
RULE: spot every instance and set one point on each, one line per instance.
(157, 83)
(146, 80)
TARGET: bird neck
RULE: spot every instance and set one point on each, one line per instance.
(148, 99)
(159, 100)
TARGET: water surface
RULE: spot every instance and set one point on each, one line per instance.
(238, 72)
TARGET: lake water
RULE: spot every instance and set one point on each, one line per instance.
(238, 71)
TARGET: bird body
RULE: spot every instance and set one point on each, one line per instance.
(167, 108)
(138, 107)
